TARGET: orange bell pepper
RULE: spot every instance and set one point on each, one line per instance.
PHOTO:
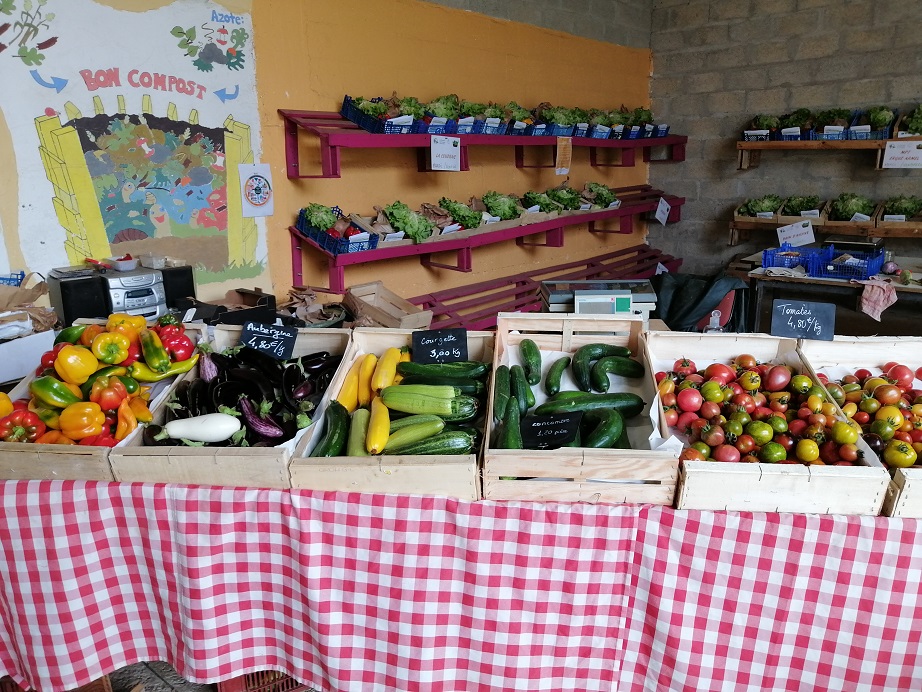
(140, 409)
(116, 318)
(90, 333)
(127, 421)
(74, 364)
(83, 419)
(54, 437)
(110, 347)
(108, 392)
(6, 405)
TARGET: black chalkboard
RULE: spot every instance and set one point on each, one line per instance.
(271, 339)
(439, 345)
(550, 432)
(803, 320)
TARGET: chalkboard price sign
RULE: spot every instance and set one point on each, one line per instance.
(550, 432)
(276, 341)
(439, 345)
(803, 320)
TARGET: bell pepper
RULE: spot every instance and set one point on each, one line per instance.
(75, 364)
(107, 371)
(90, 333)
(125, 330)
(168, 319)
(51, 417)
(116, 318)
(21, 426)
(70, 335)
(6, 405)
(142, 373)
(127, 421)
(108, 392)
(134, 352)
(54, 437)
(21, 405)
(140, 410)
(81, 420)
(131, 385)
(155, 356)
(52, 392)
(110, 347)
(179, 346)
(48, 357)
(169, 330)
(103, 439)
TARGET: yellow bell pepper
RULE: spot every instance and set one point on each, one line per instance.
(84, 419)
(116, 318)
(75, 364)
(6, 405)
(111, 347)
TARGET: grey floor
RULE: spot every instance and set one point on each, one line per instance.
(156, 676)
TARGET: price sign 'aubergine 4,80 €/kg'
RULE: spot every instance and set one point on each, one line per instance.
(803, 320)
(439, 345)
(274, 340)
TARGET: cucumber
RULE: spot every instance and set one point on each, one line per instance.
(607, 427)
(554, 373)
(510, 436)
(455, 442)
(500, 391)
(414, 433)
(585, 355)
(464, 368)
(622, 442)
(336, 422)
(465, 385)
(531, 360)
(412, 419)
(628, 404)
(358, 429)
(616, 365)
(576, 441)
(521, 390)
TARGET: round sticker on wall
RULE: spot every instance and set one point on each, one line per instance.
(257, 190)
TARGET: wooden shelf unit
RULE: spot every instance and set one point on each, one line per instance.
(749, 154)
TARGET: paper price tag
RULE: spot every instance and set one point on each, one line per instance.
(902, 154)
(564, 155)
(796, 234)
(445, 153)
(662, 211)
(860, 217)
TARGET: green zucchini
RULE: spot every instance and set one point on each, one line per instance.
(336, 422)
(465, 368)
(531, 360)
(500, 391)
(510, 436)
(607, 425)
(585, 355)
(455, 442)
(554, 373)
(461, 407)
(412, 419)
(358, 429)
(414, 433)
(434, 390)
(628, 404)
(465, 385)
(616, 365)
(622, 442)
(520, 388)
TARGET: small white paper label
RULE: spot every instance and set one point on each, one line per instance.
(519, 125)
(618, 128)
(860, 217)
(452, 228)
(581, 129)
(603, 131)
(584, 207)
(906, 154)
(861, 128)
(757, 133)
(648, 128)
(445, 153)
(615, 205)
(493, 122)
(532, 209)
(358, 238)
(539, 129)
(796, 234)
(812, 213)
(492, 219)
(396, 235)
(189, 316)
(466, 121)
(788, 131)
(635, 128)
(832, 129)
(765, 214)
(662, 211)
(438, 122)
(401, 120)
(660, 269)
(894, 217)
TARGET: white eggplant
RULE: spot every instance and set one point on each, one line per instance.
(211, 427)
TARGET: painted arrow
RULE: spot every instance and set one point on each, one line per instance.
(224, 96)
(56, 83)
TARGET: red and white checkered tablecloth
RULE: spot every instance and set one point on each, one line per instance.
(375, 592)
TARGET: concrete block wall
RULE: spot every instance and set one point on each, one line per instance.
(716, 63)
(622, 22)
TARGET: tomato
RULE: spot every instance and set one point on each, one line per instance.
(760, 399)
(797, 426)
(814, 432)
(829, 409)
(870, 384)
(745, 444)
(762, 412)
(844, 433)
(683, 366)
(902, 436)
(741, 416)
(891, 414)
(733, 388)
(919, 373)
(696, 427)
(829, 452)
(761, 432)
(916, 434)
(772, 453)
(849, 452)
(778, 407)
(836, 392)
(807, 450)
(743, 402)
(668, 400)
(750, 381)
(701, 447)
(850, 409)
(883, 428)
(887, 394)
(709, 409)
(686, 418)
(861, 417)
(689, 399)
(785, 441)
(666, 386)
(869, 405)
(817, 419)
(804, 412)
(800, 384)
(726, 453)
(671, 416)
(689, 454)
(899, 454)
(777, 378)
(733, 429)
(660, 376)
(712, 391)
(712, 435)
(745, 361)
(862, 374)
(719, 371)
(777, 423)
(823, 378)
(901, 375)
(750, 459)
(874, 441)
(918, 447)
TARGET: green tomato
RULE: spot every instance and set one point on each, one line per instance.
(761, 431)
(844, 433)
(733, 428)
(711, 391)
(800, 384)
(701, 447)
(778, 423)
(772, 452)
(883, 428)
(899, 454)
(741, 416)
(818, 390)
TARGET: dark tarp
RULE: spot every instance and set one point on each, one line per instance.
(682, 300)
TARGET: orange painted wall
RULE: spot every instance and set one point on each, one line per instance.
(309, 54)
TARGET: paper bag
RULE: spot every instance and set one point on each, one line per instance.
(16, 296)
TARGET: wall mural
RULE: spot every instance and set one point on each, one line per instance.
(135, 148)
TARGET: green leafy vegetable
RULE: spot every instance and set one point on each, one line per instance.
(503, 206)
(448, 106)
(833, 116)
(410, 105)
(494, 110)
(470, 109)
(402, 218)
(565, 196)
(516, 112)
(902, 204)
(319, 216)
(795, 205)
(376, 109)
(914, 122)
(802, 118)
(598, 194)
(640, 116)
(765, 122)
(879, 117)
(461, 213)
(758, 205)
(846, 205)
(539, 199)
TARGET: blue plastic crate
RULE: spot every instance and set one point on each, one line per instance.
(599, 132)
(376, 125)
(14, 279)
(474, 128)
(815, 134)
(660, 130)
(883, 133)
(519, 131)
(450, 127)
(499, 129)
(335, 246)
(581, 130)
(631, 133)
(756, 137)
(861, 265)
(554, 130)
(789, 256)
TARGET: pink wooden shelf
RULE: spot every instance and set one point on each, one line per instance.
(635, 201)
(334, 133)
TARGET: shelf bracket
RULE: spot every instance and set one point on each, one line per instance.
(626, 160)
(463, 263)
(748, 158)
(552, 238)
(625, 226)
(329, 155)
(520, 158)
(675, 153)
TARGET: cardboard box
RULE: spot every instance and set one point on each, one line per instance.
(239, 306)
(19, 357)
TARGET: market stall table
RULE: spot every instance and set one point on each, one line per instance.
(373, 592)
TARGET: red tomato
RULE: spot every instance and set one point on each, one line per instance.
(689, 399)
(862, 374)
(916, 434)
(726, 453)
(719, 371)
(712, 435)
(709, 409)
(697, 425)
(694, 377)
(745, 361)
(902, 376)
(660, 376)
(887, 394)
(849, 452)
(743, 402)
(919, 373)
(889, 364)
(668, 400)
(829, 452)
(785, 440)
(777, 378)
(685, 421)
(903, 436)
(683, 366)
(797, 426)
(745, 444)
(861, 417)
(761, 413)
(671, 416)
(691, 454)
(821, 376)
(735, 386)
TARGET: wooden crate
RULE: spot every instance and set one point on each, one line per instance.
(449, 475)
(859, 228)
(910, 228)
(765, 487)
(576, 474)
(817, 221)
(265, 467)
(845, 354)
(384, 307)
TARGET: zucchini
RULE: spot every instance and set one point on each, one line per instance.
(500, 391)
(414, 433)
(616, 365)
(465, 368)
(437, 391)
(454, 442)
(622, 442)
(358, 429)
(628, 404)
(585, 355)
(554, 373)
(464, 408)
(520, 388)
(466, 385)
(510, 437)
(607, 425)
(412, 420)
(531, 360)
(336, 422)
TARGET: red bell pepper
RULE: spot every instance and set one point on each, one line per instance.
(48, 357)
(169, 330)
(134, 352)
(179, 346)
(21, 426)
(103, 439)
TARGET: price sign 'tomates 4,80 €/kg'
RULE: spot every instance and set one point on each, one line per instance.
(803, 320)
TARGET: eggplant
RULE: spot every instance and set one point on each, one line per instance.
(224, 362)
(207, 369)
(228, 393)
(254, 378)
(198, 397)
(261, 425)
(311, 359)
(267, 365)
